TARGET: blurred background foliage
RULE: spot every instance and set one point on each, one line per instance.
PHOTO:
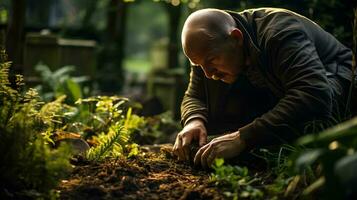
(131, 47)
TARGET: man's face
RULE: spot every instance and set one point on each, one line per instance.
(223, 63)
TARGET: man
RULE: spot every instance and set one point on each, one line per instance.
(260, 76)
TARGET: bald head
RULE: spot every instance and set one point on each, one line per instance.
(205, 28)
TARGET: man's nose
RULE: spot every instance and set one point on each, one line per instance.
(209, 71)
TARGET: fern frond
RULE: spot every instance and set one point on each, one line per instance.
(117, 136)
(50, 112)
(5, 90)
(19, 80)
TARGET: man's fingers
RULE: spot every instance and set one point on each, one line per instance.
(197, 160)
(174, 149)
(186, 141)
(202, 140)
(198, 155)
(186, 152)
(179, 149)
(210, 158)
(204, 156)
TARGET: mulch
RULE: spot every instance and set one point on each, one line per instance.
(153, 174)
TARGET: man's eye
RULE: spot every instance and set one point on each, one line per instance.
(214, 62)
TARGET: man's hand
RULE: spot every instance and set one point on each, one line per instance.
(226, 146)
(194, 130)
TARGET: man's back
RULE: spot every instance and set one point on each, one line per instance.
(272, 24)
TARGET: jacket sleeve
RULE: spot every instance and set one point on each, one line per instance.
(194, 101)
(295, 64)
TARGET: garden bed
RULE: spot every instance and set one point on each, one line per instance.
(153, 174)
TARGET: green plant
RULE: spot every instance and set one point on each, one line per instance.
(110, 144)
(108, 121)
(155, 129)
(326, 150)
(59, 82)
(236, 179)
(27, 161)
(100, 112)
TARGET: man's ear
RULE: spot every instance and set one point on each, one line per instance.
(238, 35)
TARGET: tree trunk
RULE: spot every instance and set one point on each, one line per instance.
(116, 26)
(111, 58)
(15, 34)
(174, 13)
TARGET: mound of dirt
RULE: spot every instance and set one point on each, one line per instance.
(151, 175)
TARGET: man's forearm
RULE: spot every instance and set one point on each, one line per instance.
(193, 108)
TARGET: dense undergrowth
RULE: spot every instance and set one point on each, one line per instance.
(26, 159)
(38, 138)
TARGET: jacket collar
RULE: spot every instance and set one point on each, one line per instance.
(250, 41)
(256, 54)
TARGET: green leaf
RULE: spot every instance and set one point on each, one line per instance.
(134, 150)
(309, 157)
(74, 89)
(109, 141)
(218, 162)
(344, 131)
(63, 71)
(45, 72)
(345, 170)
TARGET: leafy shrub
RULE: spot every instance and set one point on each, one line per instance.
(325, 151)
(236, 179)
(108, 122)
(27, 161)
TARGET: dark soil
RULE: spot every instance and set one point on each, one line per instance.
(153, 174)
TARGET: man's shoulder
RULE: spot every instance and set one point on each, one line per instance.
(262, 12)
(270, 18)
(267, 11)
(267, 23)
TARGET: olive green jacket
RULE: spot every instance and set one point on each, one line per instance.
(291, 56)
